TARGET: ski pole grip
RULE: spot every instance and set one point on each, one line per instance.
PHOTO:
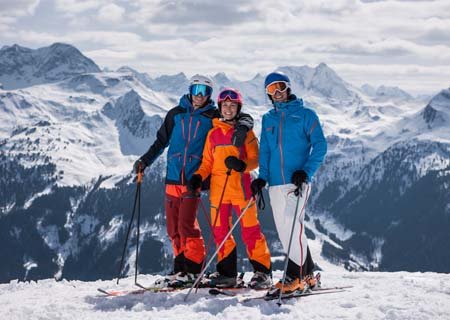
(140, 174)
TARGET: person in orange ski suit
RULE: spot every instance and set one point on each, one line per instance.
(229, 168)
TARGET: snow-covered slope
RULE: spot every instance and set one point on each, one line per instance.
(22, 67)
(88, 124)
(401, 295)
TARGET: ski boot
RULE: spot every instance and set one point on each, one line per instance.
(217, 280)
(183, 280)
(291, 285)
(312, 281)
(260, 281)
(163, 282)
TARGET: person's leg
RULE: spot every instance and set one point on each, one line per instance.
(256, 245)
(284, 202)
(191, 237)
(254, 240)
(172, 205)
(227, 257)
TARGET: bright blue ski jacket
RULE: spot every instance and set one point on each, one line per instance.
(291, 139)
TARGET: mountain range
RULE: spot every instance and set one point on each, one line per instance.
(71, 132)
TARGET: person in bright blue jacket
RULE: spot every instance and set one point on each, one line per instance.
(292, 148)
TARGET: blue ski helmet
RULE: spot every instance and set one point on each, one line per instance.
(276, 77)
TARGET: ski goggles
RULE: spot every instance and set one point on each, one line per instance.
(203, 89)
(281, 86)
(229, 94)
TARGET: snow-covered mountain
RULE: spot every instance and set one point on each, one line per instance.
(67, 148)
(383, 93)
(22, 67)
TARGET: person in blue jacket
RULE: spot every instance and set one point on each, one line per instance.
(292, 148)
(184, 132)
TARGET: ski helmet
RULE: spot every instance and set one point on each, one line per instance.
(230, 94)
(276, 77)
(200, 84)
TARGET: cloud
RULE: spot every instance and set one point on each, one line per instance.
(111, 13)
(17, 8)
(242, 38)
(74, 7)
(200, 12)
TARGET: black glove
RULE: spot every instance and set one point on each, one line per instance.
(139, 165)
(239, 135)
(257, 186)
(195, 183)
(299, 177)
(236, 164)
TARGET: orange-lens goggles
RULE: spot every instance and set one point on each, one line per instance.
(276, 86)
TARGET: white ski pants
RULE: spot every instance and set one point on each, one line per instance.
(283, 202)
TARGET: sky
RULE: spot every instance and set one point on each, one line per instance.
(398, 43)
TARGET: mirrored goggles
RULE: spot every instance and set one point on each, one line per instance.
(229, 94)
(197, 89)
(281, 86)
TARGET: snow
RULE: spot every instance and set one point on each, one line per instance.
(399, 295)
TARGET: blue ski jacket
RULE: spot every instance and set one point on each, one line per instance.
(291, 139)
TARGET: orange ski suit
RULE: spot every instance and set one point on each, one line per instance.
(237, 193)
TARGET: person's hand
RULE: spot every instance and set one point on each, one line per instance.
(231, 162)
(257, 185)
(139, 166)
(299, 177)
(239, 135)
(195, 183)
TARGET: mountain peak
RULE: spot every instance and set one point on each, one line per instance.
(22, 67)
(437, 111)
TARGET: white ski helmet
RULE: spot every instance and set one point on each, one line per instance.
(200, 79)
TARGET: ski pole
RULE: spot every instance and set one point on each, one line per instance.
(296, 192)
(138, 228)
(197, 281)
(211, 230)
(140, 174)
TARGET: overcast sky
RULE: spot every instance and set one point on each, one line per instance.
(403, 43)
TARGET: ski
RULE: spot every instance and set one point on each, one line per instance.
(118, 293)
(293, 295)
(232, 292)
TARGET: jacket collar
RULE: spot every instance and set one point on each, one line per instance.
(292, 105)
(185, 102)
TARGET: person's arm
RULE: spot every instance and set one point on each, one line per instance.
(252, 150)
(207, 159)
(162, 138)
(264, 153)
(318, 142)
(245, 120)
(243, 125)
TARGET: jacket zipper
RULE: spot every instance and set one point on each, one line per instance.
(185, 150)
(196, 129)
(280, 141)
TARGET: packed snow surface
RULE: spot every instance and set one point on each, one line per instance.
(399, 295)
